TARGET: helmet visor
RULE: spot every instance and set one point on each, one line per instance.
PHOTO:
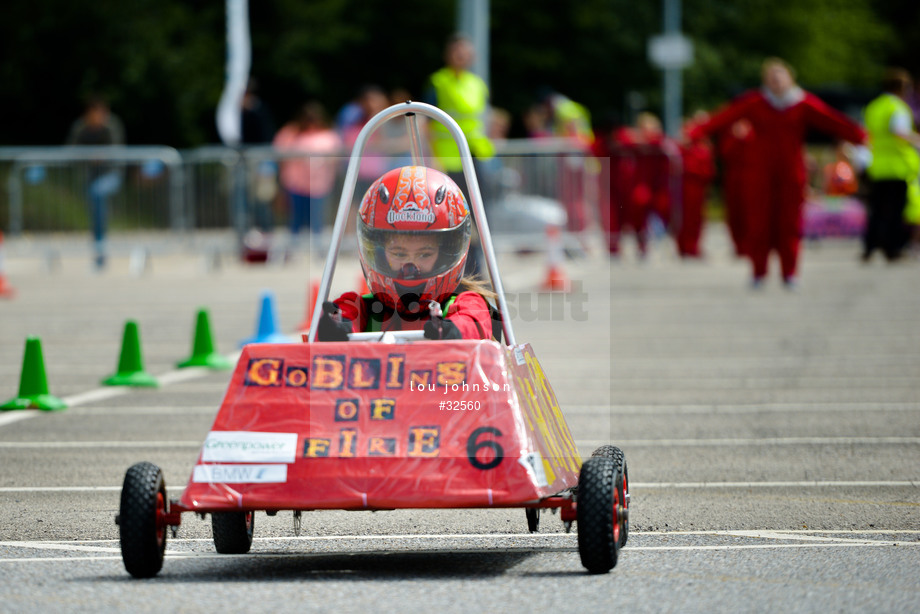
(412, 255)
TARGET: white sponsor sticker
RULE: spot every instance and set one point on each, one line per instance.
(519, 355)
(533, 463)
(249, 447)
(240, 474)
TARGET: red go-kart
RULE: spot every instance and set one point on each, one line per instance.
(385, 421)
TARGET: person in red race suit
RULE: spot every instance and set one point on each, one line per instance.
(737, 158)
(699, 169)
(780, 113)
(655, 156)
(610, 148)
(413, 239)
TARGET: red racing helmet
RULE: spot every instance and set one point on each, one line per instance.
(413, 234)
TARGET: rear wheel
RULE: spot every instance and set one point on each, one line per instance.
(142, 520)
(232, 531)
(597, 507)
(609, 451)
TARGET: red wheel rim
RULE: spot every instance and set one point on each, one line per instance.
(161, 519)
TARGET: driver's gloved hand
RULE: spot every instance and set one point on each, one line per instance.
(441, 328)
(332, 326)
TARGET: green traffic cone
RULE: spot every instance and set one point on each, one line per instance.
(130, 364)
(203, 353)
(33, 383)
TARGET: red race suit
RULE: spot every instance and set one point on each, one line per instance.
(468, 311)
(778, 181)
(699, 169)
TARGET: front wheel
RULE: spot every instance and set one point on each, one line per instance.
(232, 531)
(598, 509)
(619, 458)
(142, 520)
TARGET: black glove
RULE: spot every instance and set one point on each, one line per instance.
(332, 326)
(441, 328)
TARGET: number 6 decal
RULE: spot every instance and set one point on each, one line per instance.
(486, 454)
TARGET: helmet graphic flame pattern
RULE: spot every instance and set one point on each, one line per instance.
(413, 201)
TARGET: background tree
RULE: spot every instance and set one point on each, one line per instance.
(161, 62)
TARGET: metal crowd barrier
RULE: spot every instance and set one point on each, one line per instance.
(219, 188)
(48, 188)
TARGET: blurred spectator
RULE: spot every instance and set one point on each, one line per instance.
(99, 126)
(570, 120)
(258, 126)
(657, 163)
(307, 178)
(893, 172)
(465, 97)
(840, 176)
(494, 177)
(396, 132)
(698, 164)
(349, 114)
(780, 113)
(913, 101)
(612, 148)
(536, 122)
(372, 99)
(738, 159)
(499, 124)
(566, 118)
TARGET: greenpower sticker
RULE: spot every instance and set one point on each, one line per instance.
(249, 447)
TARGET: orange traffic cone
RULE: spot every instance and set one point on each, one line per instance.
(312, 297)
(556, 279)
(6, 289)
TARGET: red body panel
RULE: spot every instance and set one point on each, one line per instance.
(379, 426)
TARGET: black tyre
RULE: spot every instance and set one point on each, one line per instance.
(232, 531)
(141, 520)
(598, 503)
(608, 451)
(533, 519)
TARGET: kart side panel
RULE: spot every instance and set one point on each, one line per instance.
(379, 426)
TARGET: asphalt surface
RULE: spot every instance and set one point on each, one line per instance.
(772, 439)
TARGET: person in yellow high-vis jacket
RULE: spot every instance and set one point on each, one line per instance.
(894, 192)
(465, 97)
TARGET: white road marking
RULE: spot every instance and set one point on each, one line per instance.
(794, 484)
(149, 410)
(182, 375)
(864, 544)
(848, 538)
(109, 392)
(16, 416)
(59, 489)
(60, 546)
(94, 396)
(736, 408)
(750, 441)
(99, 444)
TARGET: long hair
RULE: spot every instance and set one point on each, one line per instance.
(474, 283)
